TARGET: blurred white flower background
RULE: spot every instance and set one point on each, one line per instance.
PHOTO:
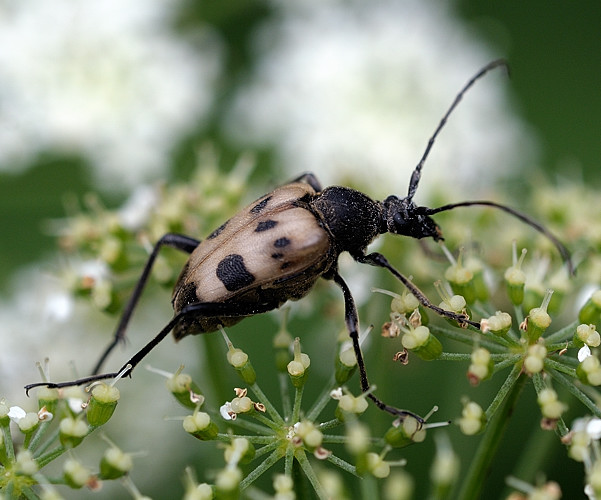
(349, 90)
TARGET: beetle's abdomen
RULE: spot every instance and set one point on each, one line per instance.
(270, 252)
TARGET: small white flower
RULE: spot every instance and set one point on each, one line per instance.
(109, 80)
(355, 89)
(16, 413)
(583, 353)
(226, 411)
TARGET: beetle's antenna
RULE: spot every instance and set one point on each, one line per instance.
(564, 252)
(418, 169)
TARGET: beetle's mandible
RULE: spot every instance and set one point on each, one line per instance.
(275, 249)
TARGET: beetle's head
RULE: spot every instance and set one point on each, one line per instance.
(402, 216)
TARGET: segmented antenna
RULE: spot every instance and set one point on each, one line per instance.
(418, 169)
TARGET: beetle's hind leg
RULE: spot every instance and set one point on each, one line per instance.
(206, 309)
(177, 241)
(352, 324)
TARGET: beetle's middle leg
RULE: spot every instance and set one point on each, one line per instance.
(352, 324)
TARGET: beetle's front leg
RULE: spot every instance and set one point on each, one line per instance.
(377, 259)
(309, 178)
(352, 324)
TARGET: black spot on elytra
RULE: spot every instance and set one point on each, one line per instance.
(281, 242)
(264, 225)
(217, 231)
(233, 273)
(277, 255)
(285, 265)
(260, 206)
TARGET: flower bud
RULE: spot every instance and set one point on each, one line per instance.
(538, 320)
(550, 406)
(376, 465)
(115, 464)
(200, 425)
(239, 451)
(473, 418)
(227, 482)
(422, 342)
(102, 404)
(589, 371)
(239, 360)
(535, 358)
(72, 431)
(404, 304)
(405, 432)
(75, 474)
(591, 310)
(346, 364)
(481, 366)
(587, 334)
(398, 486)
(475, 266)
(444, 471)
(515, 278)
(461, 280)
(281, 345)
(349, 404)
(185, 391)
(311, 436)
(499, 324)
(25, 463)
(48, 398)
(298, 367)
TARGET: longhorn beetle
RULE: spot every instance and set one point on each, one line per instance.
(275, 249)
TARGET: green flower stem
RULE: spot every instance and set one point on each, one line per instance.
(260, 469)
(38, 435)
(273, 413)
(49, 442)
(561, 367)
(289, 460)
(8, 442)
(330, 424)
(252, 426)
(467, 337)
(576, 392)
(565, 333)
(343, 464)
(50, 456)
(296, 408)
(285, 393)
(369, 487)
(507, 361)
(321, 401)
(519, 314)
(476, 474)
(227, 438)
(270, 446)
(539, 385)
(311, 476)
(265, 420)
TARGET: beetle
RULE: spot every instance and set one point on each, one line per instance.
(276, 248)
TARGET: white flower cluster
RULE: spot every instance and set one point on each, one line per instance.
(109, 80)
(353, 90)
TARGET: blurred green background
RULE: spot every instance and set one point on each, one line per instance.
(553, 48)
(554, 51)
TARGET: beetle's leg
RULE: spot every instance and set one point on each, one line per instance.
(205, 309)
(177, 241)
(352, 324)
(309, 178)
(377, 259)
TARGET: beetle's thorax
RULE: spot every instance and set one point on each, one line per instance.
(351, 217)
(402, 216)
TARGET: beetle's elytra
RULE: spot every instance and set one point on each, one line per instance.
(275, 249)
